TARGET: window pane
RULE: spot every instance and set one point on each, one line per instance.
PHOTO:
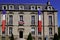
(10, 19)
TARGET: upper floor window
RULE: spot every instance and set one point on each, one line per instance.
(50, 31)
(50, 20)
(32, 20)
(38, 7)
(4, 7)
(11, 7)
(21, 22)
(49, 8)
(33, 30)
(32, 7)
(21, 17)
(21, 7)
(10, 19)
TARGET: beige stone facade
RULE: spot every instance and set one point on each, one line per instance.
(48, 28)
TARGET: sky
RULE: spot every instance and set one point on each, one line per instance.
(54, 3)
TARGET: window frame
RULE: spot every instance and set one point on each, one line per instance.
(33, 30)
(50, 20)
(11, 6)
(3, 7)
(33, 20)
(50, 31)
(38, 8)
(10, 31)
(21, 8)
(10, 23)
(33, 8)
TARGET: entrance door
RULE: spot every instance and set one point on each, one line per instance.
(20, 34)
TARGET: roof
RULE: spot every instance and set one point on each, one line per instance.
(22, 1)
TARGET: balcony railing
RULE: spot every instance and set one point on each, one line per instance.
(20, 23)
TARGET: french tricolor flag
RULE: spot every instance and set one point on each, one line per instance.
(3, 20)
(39, 21)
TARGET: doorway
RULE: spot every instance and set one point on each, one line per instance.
(20, 34)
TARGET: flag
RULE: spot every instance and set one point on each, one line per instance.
(3, 20)
(39, 21)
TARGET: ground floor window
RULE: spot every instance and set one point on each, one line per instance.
(39, 38)
(33, 38)
(51, 38)
(3, 38)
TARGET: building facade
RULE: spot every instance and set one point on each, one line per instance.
(22, 19)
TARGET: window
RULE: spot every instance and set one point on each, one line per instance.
(10, 30)
(51, 38)
(49, 8)
(38, 7)
(3, 38)
(33, 38)
(39, 33)
(45, 38)
(21, 22)
(32, 20)
(11, 7)
(21, 7)
(39, 38)
(32, 7)
(33, 30)
(3, 33)
(4, 7)
(50, 31)
(50, 20)
(21, 34)
(10, 20)
(21, 17)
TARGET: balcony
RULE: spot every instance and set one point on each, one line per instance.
(20, 23)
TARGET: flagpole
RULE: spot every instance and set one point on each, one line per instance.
(7, 24)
